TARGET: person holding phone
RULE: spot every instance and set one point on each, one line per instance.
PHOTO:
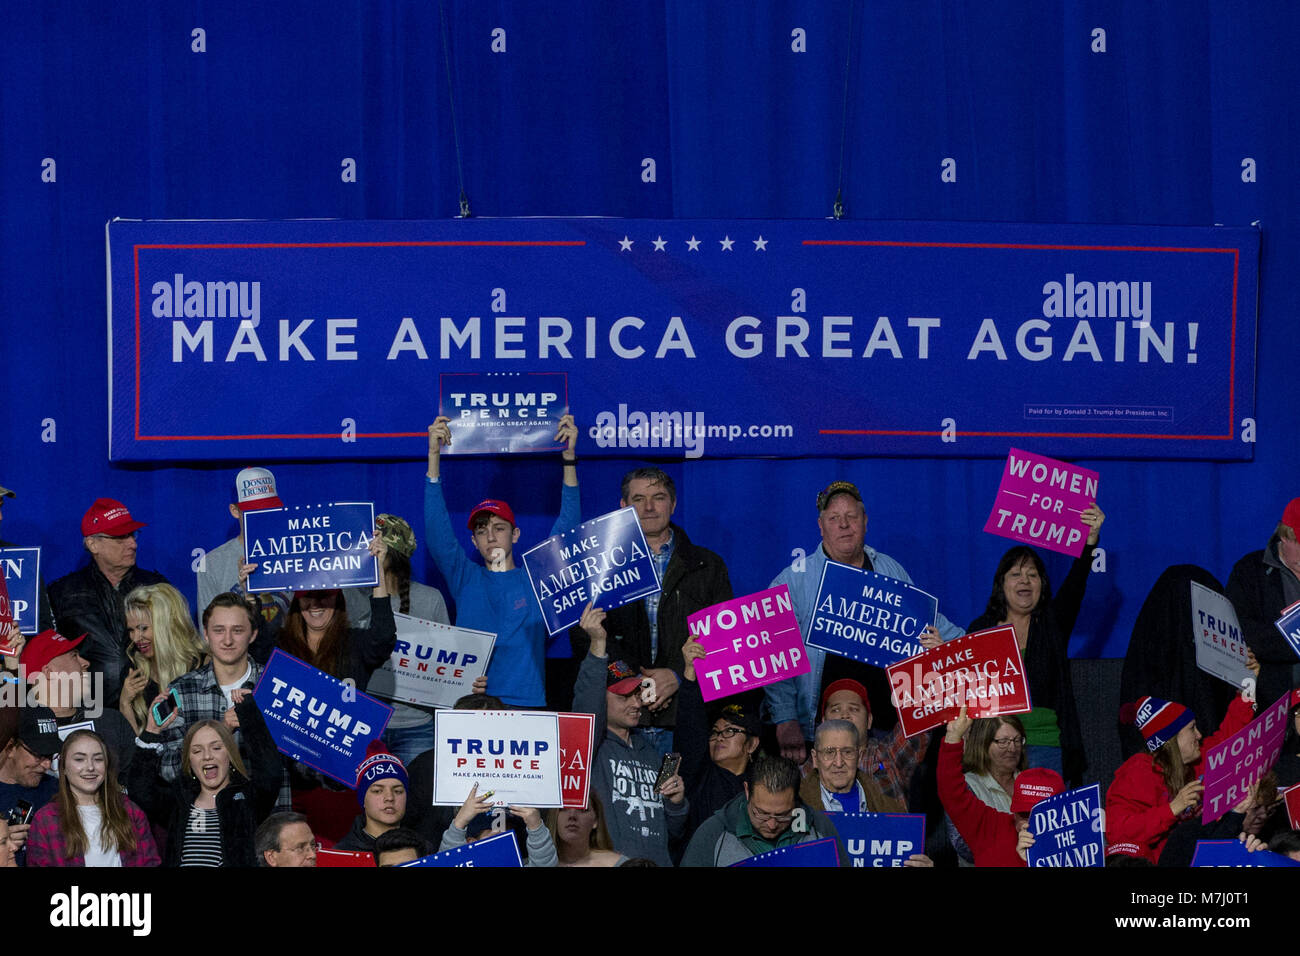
(164, 645)
(213, 808)
(642, 817)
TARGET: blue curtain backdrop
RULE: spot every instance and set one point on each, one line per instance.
(120, 108)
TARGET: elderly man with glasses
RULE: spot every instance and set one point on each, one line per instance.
(90, 600)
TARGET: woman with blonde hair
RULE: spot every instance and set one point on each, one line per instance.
(90, 822)
(164, 645)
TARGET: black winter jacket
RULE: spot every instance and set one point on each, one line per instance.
(85, 603)
(241, 806)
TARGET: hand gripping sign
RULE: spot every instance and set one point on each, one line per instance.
(502, 412)
(311, 547)
(604, 561)
(750, 642)
(1039, 502)
(869, 617)
(982, 672)
(1069, 829)
(318, 719)
(514, 754)
(432, 664)
(880, 839)
(1232, 766)
(1220, 647)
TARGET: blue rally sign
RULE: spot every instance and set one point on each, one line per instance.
(500, 850)
(503, 412)
(605, 560)
(21, 568)
(317, 719)
(869, 617)
(880, 839)
(813, 853)
(1234, 853)
(1289, 625)
(1068, 829)
(681, 336)
(311, 547)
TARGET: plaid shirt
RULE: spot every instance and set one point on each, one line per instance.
(46, 846)
(202, 699)
(893, 760)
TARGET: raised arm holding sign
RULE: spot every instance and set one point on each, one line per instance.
(495, 596)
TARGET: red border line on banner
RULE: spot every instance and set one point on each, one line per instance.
(298, 245)
(1232, 350)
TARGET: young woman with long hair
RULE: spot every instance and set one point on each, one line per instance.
(164, 645)
(1153, 791)
(90, 822)
(214, 806)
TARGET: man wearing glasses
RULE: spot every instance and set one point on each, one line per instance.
(769, 815)
(25, 782)
(90, 600)
(285, 840)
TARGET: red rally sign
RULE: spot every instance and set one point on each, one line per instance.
(577, 736)
(982, 671)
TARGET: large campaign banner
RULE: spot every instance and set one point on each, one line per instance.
(983, 672)
(1039, 501)
(869, 617)
(20, 569)
(311, 547)
(1220, 646)
(1232, 766)
(1069, 829)
(513, 754)
(432, 664)
(749, 642)
(503, 412)
(880, 839)
(604, 560)
(686, 337)
(317, 719)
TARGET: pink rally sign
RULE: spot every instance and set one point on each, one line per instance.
(1232, 766)
(751, 641)
(1039, 502)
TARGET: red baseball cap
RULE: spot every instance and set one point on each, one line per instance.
(110, 517)
(1033, 785)
(844, 683)
(493, 506)
(46, 646)
(620, 679)
(1291, 516)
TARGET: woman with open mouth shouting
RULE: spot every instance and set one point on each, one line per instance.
(214, 807)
